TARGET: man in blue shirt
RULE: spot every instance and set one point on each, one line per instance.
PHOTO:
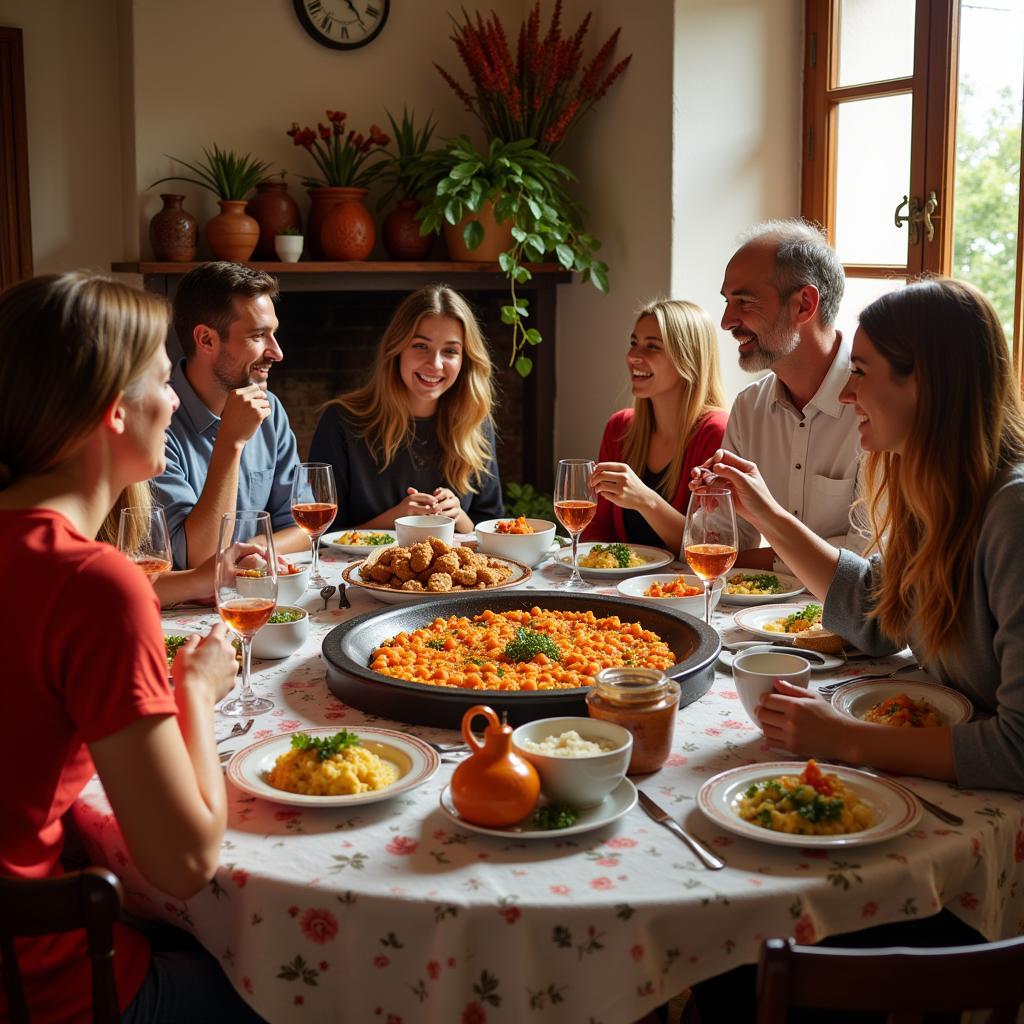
(229, 445)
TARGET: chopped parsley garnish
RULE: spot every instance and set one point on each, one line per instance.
(283, 615)
(620, 552)
(528, 643)
(764, 581)
(325, 746)
(171, 644)
(436, 645)
(809, 614)
(479, 662)
(555, 816)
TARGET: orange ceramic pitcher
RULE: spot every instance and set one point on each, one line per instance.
(494, 786)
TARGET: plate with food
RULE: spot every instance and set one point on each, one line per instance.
(796, 623)
(553, 821)
(615, 561)
(750, 587)
(903, 703)
(807, 805)
(323, 767)
(432, 569)
(360, 542)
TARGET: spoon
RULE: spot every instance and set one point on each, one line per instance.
(327, 593)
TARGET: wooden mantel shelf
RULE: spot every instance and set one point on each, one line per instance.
(549, 270)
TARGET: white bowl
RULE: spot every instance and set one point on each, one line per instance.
(412, 529)
(577, 781)
(530, 548)
(291, 587)
(754, 674)
(635, 586)
(279, 639)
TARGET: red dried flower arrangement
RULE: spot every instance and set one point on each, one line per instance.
(341, 158)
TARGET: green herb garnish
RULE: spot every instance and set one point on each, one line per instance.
(620, 552)
(765, 581)
(555, 816)
(809, 614)
(528, 643)
(378, 539)
(436, 645)
(325, 746)
(286, 615)
(171, 644)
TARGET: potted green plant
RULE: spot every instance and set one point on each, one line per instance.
(407, 179)
(288, 245)
(518, 186)
(232, 234)
(340, 226)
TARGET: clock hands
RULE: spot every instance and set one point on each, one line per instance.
(359, 17)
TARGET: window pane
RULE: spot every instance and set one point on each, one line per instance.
(987, 191)
(876, 40)
(861, 292)
(872, 175)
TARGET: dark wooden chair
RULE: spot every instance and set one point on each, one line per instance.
(89, 899)
(906, 983)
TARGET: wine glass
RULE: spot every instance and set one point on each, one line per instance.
(314, 507)
(575, 505)
(709, 538)
(142, 536)
(246, 594)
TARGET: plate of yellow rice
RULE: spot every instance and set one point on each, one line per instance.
(325, 767)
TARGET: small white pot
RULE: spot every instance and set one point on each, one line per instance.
(279, 639)
(288, 248)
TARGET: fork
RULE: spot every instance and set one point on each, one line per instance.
(237, 730)
(829, 688)
(940, 812)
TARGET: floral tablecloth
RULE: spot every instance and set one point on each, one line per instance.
(393, 914)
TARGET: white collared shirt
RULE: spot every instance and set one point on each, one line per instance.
(808, 458)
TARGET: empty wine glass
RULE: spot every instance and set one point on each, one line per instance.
(575, 505)
(142, 536)
(246, 594)
(314, 507)
(709, 538)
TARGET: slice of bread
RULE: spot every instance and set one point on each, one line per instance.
(817, 638)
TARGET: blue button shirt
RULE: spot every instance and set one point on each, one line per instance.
(268, 465)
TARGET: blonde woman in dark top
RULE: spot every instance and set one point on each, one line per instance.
(417, 437)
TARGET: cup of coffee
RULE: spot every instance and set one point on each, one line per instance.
(412, 529)
(755, 673)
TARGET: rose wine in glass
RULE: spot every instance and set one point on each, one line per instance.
(143, 537)
(314, 507)
(246, 594)
(575, 505)
(709, 538)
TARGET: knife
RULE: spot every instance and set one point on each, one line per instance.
(655, 813)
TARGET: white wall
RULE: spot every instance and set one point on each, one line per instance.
(72, 101)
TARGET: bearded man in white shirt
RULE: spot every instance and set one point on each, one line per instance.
(782, 290)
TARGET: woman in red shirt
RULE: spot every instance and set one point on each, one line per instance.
(677, 421)
(84, 402)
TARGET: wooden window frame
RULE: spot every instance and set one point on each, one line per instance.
(15, 219)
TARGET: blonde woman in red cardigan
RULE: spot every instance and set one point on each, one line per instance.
(677, 421)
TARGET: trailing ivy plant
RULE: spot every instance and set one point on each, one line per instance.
(527, 188)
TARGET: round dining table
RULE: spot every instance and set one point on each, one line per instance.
(392, 913)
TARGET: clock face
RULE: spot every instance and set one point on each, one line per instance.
(342, 24)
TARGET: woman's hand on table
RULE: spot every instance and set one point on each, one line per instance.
(801, 722)
(208, 661)
(621, 486)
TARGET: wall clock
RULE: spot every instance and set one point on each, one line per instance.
(342, 24)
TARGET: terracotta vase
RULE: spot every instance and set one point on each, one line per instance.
(321, 201)
(348, 232)
(232, 234)
(401, 232)
(173, 232)
(274, 210)
(497, 237)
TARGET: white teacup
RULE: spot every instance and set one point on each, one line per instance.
(412, 529)
(756, 672)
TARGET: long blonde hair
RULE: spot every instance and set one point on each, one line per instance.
(926, 504)
(69, 345)
(692, 347)
(381, 405)
(137, 496)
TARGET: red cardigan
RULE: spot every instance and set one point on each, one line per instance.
(607, 524)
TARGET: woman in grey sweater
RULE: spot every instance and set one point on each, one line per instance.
(942, 424)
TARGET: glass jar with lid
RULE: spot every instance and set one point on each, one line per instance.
(644, 701)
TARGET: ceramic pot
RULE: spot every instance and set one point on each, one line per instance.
(289, 248)
(173, 232)
(348, 232)
(497, 237)
(401, 233)
(274, 210)
(232, 234)
(321, 201)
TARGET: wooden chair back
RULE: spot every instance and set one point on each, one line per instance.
(908, 983)
(89, 899)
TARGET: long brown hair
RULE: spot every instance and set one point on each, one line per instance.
(69, 345)
(690, 343)
(926, 504)
(382, 408)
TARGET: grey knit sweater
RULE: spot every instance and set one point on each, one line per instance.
(988, 752)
